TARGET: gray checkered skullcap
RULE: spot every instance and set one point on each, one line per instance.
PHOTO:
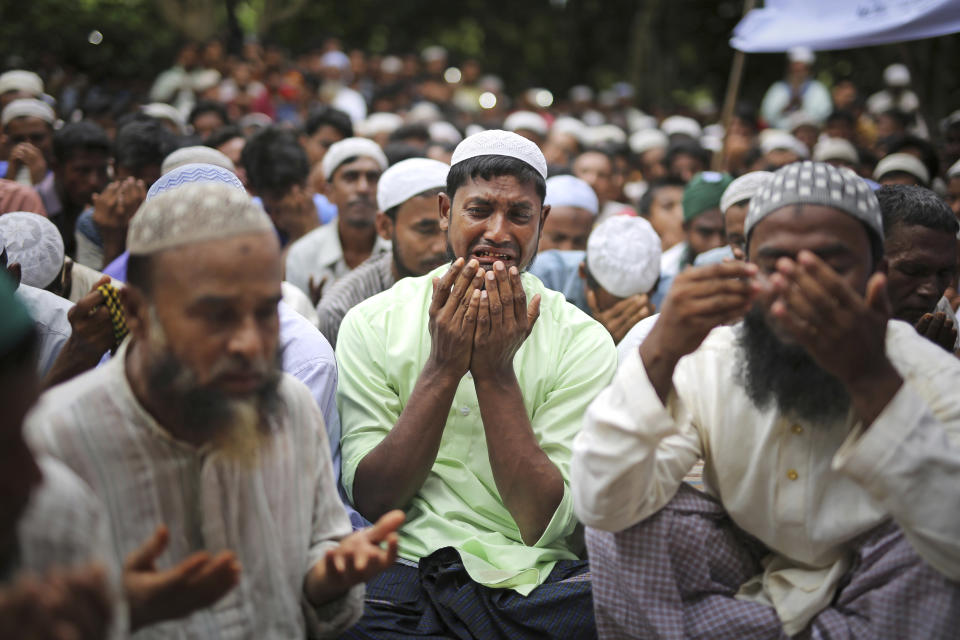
(816, 183)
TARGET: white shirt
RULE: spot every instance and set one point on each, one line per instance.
(49, 313)
(279, 516)
(320, 254)
(671, 258)
(805, 490)
(65, 527)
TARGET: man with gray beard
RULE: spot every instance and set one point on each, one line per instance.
(830, 436)
(197, 444)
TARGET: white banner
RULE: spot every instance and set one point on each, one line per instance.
(843, 24)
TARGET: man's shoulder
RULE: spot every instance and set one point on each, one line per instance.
(368, 279)
(320, 239)
(87, 391)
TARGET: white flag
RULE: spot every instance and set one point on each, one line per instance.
(843, 24)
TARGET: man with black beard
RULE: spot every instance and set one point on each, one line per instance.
(830, 436)
(351, 168)
(407, 195)
(197, 444)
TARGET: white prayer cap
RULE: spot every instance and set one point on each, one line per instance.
(378, 123)
(164, 111)
(194, 155)
(27, 108)
(711, 143)
(681, 125)
(341, 151)
(444, 132)
(801, 54)
(257, 120)
(424, 112)
(799, 119)
(571, 126)
(828, 149)
(743, 188)
(954, 171)
(408, 178)
(604, 134)
(433, 52)
(336, 60)
(204, 79)
(775, 139)
(526, 121)
(623, 255)
(570, 191)
(391, 64)
(192, 213)
(896, 75)
(902, 162)
(639, 121)
(192, 173)
(473, 129)
(581, 93)
(35, 243)
(497, 142)
(21, 80)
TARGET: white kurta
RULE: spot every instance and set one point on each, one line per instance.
(278, 517)
(805, 490)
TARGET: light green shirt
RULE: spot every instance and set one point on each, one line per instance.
(566, 361)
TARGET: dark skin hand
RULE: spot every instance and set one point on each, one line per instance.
(622, 316)
(62, 605)
(358, 558)
(843, 331)
(112, 211)
(195, 583)
(29, 156)
(938, 328)
(392, 474)
(700, 299)
(529, 483)
(90, 338)
(316, 289)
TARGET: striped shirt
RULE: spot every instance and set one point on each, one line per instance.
(279, 516)
(367, 280)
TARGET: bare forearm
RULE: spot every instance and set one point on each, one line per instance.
(390, 475)
(529, 484)
(659, 364)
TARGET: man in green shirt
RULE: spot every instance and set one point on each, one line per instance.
(460, 394)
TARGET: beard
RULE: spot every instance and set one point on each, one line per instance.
(784, 375)
(234, 425)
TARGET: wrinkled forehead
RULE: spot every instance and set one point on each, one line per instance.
(231, 263)
(504, 190)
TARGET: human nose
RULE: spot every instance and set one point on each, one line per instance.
(246, 339)
(496, 230)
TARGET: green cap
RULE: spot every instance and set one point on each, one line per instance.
(15, 321)
(703, 193)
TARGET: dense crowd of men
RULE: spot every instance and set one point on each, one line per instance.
(358, 346)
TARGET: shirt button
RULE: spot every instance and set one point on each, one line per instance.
(792, 474)
(464, 411)
(797, 429)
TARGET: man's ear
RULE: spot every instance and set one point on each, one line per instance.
(15, 272)
(384, 225)
(445, 204)
(544, 212)
(135, 310)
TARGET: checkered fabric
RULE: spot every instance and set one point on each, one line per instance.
(439, 600)
(111, 299)
(674, 575)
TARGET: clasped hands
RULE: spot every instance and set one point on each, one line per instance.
(479, 319)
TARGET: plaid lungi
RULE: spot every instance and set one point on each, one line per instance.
(673, 576)
(439, 600)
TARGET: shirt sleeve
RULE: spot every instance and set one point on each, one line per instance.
(586, 367)
(633, 453)
(909, 462)
(369, 405)
(329, 525)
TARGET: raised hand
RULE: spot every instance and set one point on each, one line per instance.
(359, 557)
(622, 316)
(504, 320)
(196, 583)
(938, 328)
(453, 317)
(91, 336)
(63, 604)
(29, 156)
